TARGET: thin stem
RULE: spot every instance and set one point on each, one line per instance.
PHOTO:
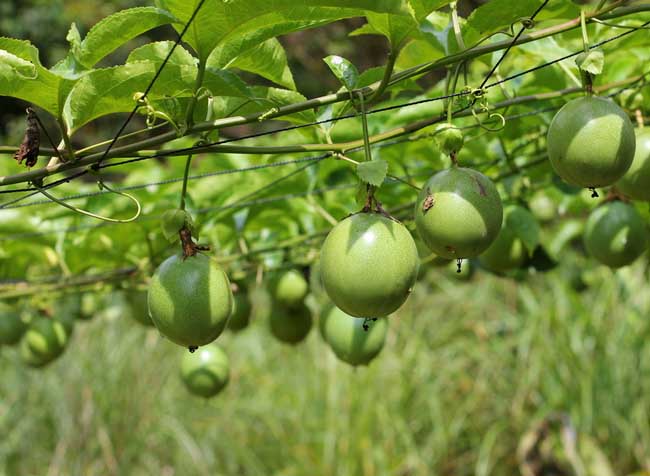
(189, 117)
(364, 122)
(456, 24)
(85, 150)
(453, 91)
(388, 74)
(66, 139)
(583, 28)
(639, 119)
(185, 179)
(93, 215)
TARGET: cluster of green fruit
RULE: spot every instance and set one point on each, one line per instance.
(369, 261)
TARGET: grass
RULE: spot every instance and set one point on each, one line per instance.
(491, 377)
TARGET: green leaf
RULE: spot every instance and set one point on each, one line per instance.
(268, 60)
(39, 86)
(592, 61)
(345, 71)
(112, 90)
(397, 28)
(116, 30)
(373, 172)
(422, 8)
(237, 26)
(525, 227)
(499, 14)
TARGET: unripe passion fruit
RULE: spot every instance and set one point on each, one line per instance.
(449, 139)
(12, 326)
(190, 300)
(241, 310)
(205, 372)
(290, 324)
(636, 181)
(43, 342)
(369, 264)
(542, 207)
(290, 288)
(349, 340)
(137, 307)
(591, 142)
(508, 252)
(458, 213)
(615, 234)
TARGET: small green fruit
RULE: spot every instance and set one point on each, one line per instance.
(190, 300)
(591, 142)
(449, 138)
(241, 310)
(205, 372)
(458, 213)
(138, 307)
(508, 251)
(636, 182)
(44, 341)
(349, 340)
(369, 264)
(12, 326)
(290, 288)
(290, 324)
(89, 306)
(615, 234)
(542, 207)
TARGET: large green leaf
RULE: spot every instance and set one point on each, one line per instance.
(268, 59)
(23, 76)
(112, 90)
(235, 27)
(117, 29)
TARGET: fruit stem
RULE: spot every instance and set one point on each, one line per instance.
(364, 121)
(587, 77)
(451, 91)
(185, 179)
(189, 247)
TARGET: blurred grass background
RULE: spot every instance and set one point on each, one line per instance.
(490, 377)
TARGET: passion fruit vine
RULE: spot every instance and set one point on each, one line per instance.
(458, 213)
(369, 264)
(591, 142)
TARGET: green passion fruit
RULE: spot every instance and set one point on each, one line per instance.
(591, 142)
(349, 339)
(138, 307)
(190, 300)
(615, 234)
(12, 326)
(458, 213)
(542, 207)
(635, 184)
(290, 324)
(241, 310)
(369, 264)
(290, 288)
(205, 372)
(44, 341)
(508, 251)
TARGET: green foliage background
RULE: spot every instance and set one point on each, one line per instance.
(499, 375)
